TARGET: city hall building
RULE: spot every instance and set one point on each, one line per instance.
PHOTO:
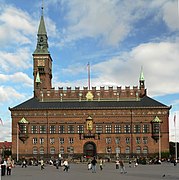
(85, 122)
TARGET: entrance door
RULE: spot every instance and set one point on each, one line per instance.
(89, 149)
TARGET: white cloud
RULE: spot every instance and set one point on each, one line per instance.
(160, 65)
(16, 26)
(8, 94)
(171, 15)
(5, 134)
(20, 59)
(18, 77)
(113, 21)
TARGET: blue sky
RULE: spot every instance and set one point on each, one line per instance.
(117, 37)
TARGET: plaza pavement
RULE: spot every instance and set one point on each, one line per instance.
(80, 172)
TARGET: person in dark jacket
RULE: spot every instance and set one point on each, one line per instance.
(93, 163)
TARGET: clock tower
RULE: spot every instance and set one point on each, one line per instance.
(42, 61)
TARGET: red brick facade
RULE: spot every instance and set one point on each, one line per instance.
(86, 122)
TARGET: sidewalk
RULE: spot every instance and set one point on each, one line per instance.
(79, 172)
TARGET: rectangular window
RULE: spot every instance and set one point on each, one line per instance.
(137, 140)
(34, 129)
(71, 140)
(127, 140)
(80, 129)
(52, 140)
(156, 128)
(61, 129)
(42, 129)
(41, 140)
(127, 129)
(145, 128)
(137, 128)
(71, 129)
(117, 129)
(61, 140)
(34, 140)
(117, 140)
(145, 140)
(99, 129)
(52, 129)
(108, 129)
(23, 128)
(108, 140)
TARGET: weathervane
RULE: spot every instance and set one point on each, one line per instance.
(42, 6)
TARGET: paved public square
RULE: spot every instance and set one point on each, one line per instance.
(79, 172)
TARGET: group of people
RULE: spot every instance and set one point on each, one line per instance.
(59, 163)
(6, 166)
(93, 163)
(120, 163)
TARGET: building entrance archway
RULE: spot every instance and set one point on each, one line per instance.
(89, 149)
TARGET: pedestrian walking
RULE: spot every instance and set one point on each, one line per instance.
(101, 164)
(117, 164)
(89, 165)
(41, 164)
(9, 166)
(122, 167)
(3, 167)
(66, 165)
(93, 163)
(24, 163)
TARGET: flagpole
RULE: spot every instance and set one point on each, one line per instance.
(17, 143)
(175, 140)
(88, 76)
(159, 143)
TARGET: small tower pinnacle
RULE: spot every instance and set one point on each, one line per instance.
(141, 79)
(142, 83)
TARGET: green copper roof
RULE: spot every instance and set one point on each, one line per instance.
(157, 120)
(42, 29)
(141, 75)
(37, 80)
(42, 39)
(24, 121)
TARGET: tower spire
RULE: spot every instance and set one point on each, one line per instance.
(42, 39)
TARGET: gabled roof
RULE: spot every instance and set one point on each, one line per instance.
(145, 102)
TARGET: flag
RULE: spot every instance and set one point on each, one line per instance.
(1, 121)
(174, 119)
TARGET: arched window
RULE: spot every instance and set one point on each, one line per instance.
(138, 149)
(108, 149)
(52, 150)
(118, 150)
(70, 149)
(41, 150)
(127, 150)
(145, 150)
(35, 150)
(61, 150)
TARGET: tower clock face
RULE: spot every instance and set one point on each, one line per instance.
(41, 62)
